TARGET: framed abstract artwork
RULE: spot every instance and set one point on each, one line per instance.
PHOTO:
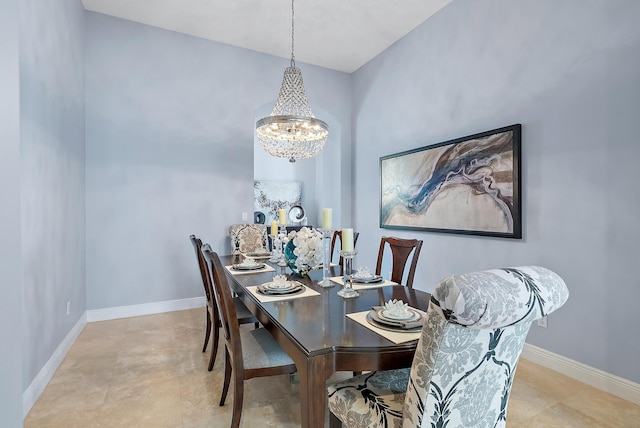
(469, 185)
(270, 196)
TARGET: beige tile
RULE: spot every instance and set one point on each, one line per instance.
(150, 371)
(562, 416)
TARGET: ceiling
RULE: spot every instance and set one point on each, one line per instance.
(338, 34)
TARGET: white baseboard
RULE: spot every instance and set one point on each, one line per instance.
(145, 309)
(39, 383)
(604, 381)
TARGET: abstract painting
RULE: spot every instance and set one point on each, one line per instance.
(270, 196)
(469, 185)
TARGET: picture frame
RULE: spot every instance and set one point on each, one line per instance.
(470, 185)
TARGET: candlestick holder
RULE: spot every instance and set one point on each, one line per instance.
(275, 249)
(347, 292)
(326, 258)
(282, 235)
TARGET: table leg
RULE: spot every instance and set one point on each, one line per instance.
(313, 392)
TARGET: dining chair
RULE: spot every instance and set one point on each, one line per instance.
(213, 317)
(337, 235)
(462, 372)
(246, 238)
(248, 353)
(400, 251)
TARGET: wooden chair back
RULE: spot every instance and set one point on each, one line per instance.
(226, 309)
(401, 249)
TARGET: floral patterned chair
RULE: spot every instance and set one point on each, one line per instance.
(246, 238)
(466, 356)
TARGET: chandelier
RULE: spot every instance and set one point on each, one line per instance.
(292, 131)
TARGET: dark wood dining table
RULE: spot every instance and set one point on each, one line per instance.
(319, 337)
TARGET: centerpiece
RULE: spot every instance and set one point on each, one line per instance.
(303, 251)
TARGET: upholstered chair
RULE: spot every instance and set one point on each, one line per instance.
(466, 357)
(246, 238)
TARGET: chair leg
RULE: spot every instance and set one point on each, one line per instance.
(214, 349)
(227, 376)
(334, 422)
(238, 398)
(208, 333)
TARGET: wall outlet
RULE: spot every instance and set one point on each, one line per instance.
(542, 322)
(245, 217)
(69, 308)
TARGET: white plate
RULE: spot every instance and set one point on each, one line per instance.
(412, 316)
(272, 286)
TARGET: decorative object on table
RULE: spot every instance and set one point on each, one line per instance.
(292, 131)
(282, 240)
(247, 238)
(326, 230)
(303, 252)
(396, 315)
(276, 245)
(347, 291)
(297, 215)
(281, 286)
(401, 249)
(364, 276)
(468, 385)
(258, 217)
(337, 236)
(271, 196)
(469, 185)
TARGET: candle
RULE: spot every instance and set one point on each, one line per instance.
(347, 239)
(274, 228)
(327, 218)
(282, 216)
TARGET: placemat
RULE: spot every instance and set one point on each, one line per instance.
(266, 268)
(395, 337)
(308, 292)
(357, 286)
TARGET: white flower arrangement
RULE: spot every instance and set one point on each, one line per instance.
(307, 245)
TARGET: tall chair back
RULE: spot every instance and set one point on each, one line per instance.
(246, 238)
(248, 353)
(466, 357)
(212, 313)
(401, 249)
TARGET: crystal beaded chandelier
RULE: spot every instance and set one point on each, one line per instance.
(292, 131)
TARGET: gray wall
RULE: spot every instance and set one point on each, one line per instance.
(170, 145)
(10, 271)
(52, 175)
(570, 73)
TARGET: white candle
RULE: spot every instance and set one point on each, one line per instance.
(282, 216)
(327, 218)
(347, 239)
(274, 228)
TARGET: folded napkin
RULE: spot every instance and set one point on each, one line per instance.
(407, 325)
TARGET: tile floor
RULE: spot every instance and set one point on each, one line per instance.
(149, 371)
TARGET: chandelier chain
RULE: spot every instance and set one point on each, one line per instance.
(293, 58)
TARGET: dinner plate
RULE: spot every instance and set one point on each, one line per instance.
(413, 316)
(369, 280)
(272, 286)
(391, 327)
(248, 267)
(279, 292)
